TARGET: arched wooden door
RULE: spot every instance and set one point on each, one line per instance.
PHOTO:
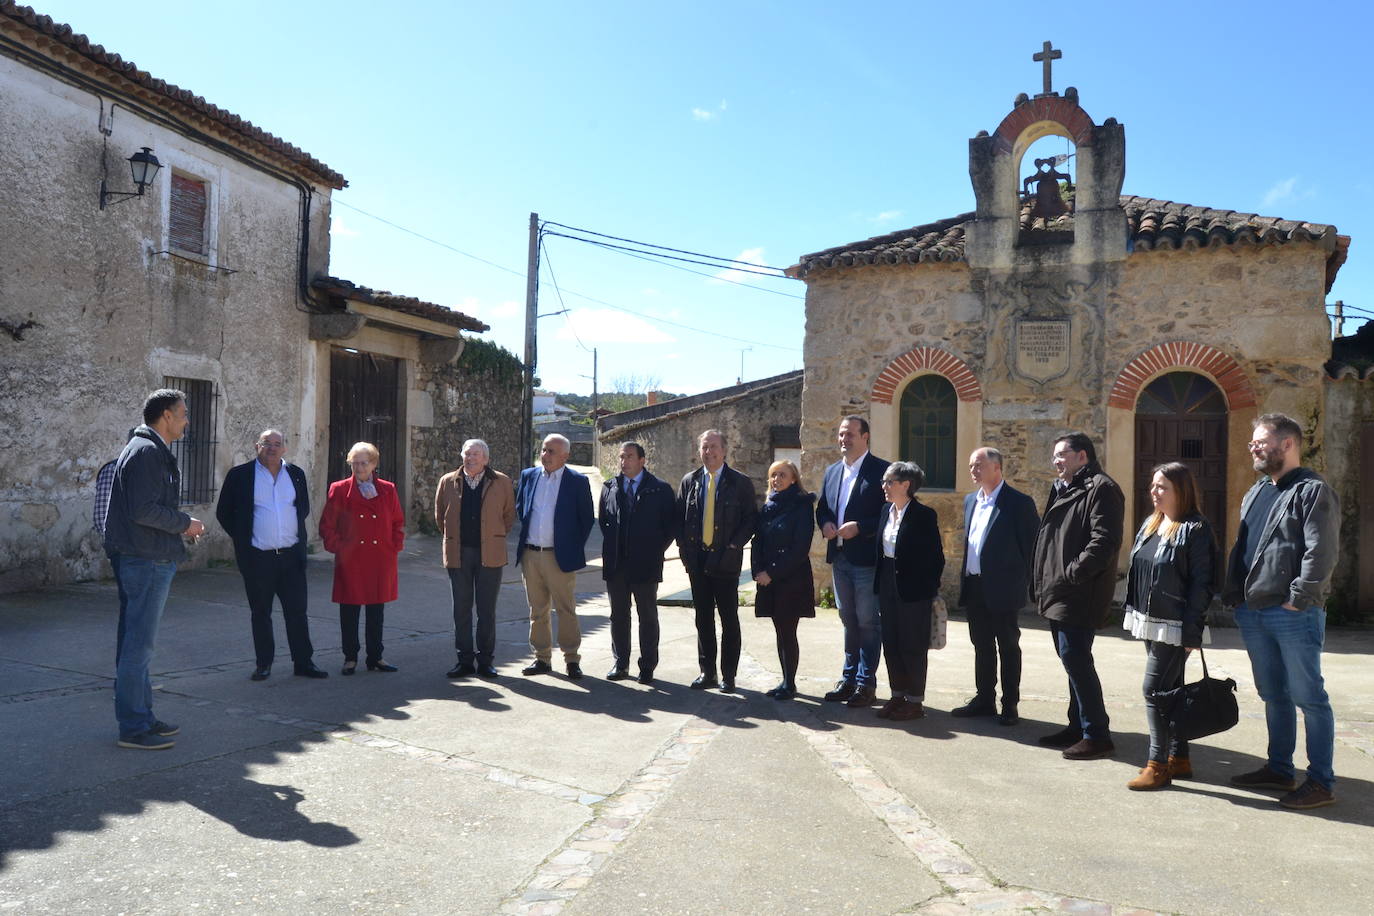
(1181, 416)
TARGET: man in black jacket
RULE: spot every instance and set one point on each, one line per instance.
(263, 505)
(1075, 577)
(638, 521)
(143, 530)
(1000, 525)
(716, 509)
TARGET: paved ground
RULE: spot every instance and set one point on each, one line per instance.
(411, 793)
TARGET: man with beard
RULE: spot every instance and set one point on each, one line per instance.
(1277, 579)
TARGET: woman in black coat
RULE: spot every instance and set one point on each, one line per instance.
(1171, 582)
(781, 564)
(910, 560)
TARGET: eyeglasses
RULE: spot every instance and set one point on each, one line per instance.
(1258, 443)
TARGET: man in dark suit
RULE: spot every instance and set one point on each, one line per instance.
(1000, 524)
(554, 504)
(637, 518)
(263, 505)
(716, 510)
(851, 499)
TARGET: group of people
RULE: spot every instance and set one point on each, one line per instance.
(884, 548)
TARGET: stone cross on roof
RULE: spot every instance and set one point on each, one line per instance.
(1047, 54)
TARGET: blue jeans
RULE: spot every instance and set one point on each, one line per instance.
(1086, 706)
(123, 603)
(1285, 650)
(145, 583)
(863, 630)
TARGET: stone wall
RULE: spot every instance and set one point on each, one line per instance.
(1348, 443)
(477, 396)
(116, 314)
(670, 440)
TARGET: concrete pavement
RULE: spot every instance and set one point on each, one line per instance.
(408, 792)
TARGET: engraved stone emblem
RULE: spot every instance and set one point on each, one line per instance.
(1041, 348)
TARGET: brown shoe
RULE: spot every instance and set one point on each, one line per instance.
(885, 712)
(1309, 795)
(1088, 749)
(1180, 768)
(907, 711)
(1154, 776)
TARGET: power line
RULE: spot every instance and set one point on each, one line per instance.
(563, 306)
(762, 289)
(745, 270)
(616, 238)
(433, 241)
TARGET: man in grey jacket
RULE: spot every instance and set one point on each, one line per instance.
(1277, 579)
(143, 530)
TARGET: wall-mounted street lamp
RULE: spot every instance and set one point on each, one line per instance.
(144, 166)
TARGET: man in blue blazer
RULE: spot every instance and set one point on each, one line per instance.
(1000, 525)
(262, 506)
(847, 511)
(554, 504)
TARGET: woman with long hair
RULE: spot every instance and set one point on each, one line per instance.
(1171, 583)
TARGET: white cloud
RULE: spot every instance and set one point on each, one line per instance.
(749, 256)
(610, 326)
(1286, 190)
(337, 227)
(886, 216)
(707, 114)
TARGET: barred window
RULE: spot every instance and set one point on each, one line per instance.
(195, 451)
(929, 415)
(188, 214)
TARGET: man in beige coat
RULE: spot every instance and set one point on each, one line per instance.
(474, 508)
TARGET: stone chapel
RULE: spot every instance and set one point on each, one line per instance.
(1161, 329)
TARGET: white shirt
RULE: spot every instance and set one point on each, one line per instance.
(978, 528)
(274, 508)
(894, 524)
(847, 479)
(541, 513)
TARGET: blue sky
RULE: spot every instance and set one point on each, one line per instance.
(759, 131)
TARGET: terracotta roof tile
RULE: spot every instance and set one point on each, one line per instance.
(1152, 224)
(68, 37)
(344, 289)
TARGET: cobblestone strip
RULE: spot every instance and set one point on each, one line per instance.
(571, 868)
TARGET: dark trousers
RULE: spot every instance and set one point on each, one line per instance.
(713, 595)
(645, 595)
(994, 633)
(267, 575)
(789, 652)
(474, 582)
(906, 636)
(1163, 671)
(1086, 707)
(348, 628)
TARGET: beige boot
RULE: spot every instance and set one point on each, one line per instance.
(1154, 776)
(1180, 768)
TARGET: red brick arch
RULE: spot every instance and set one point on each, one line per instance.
(1061, 111)
(941, 362)
(1182, 354)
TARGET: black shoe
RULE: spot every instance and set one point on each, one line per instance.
(462, 669)
(488, 671)
(618, 674)
(704, 682)
(380, 665)
(146, 741)
(1090, 749)
(783, 692)
(862, 698)
(261, 674)
(727, 685)
(1008, 716)
(349, 668)
(1265, 778)
(843, 691)
(646, 677)
(539, 667)
(575, 671)
(974, 707)
(1067, 736)
(310, 670)
(164, 729)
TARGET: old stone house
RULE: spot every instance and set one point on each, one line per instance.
(1159, 328)
(212, 277)
(759, 419)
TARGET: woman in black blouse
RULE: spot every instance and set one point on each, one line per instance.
(1170, 585)
(781, 564)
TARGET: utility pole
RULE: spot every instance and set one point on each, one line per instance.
(596, 399)
(1340, 318)
(743, 350)
(531, 323)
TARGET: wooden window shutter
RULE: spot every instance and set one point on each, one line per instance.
(187, 229)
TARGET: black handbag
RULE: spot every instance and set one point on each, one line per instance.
(1201, 708)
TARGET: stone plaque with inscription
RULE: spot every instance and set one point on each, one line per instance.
(1041, 348)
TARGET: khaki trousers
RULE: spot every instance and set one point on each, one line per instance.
(548, 586)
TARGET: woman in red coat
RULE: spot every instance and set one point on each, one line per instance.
(364, 528)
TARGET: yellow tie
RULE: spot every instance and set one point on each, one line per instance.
(708, 517)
